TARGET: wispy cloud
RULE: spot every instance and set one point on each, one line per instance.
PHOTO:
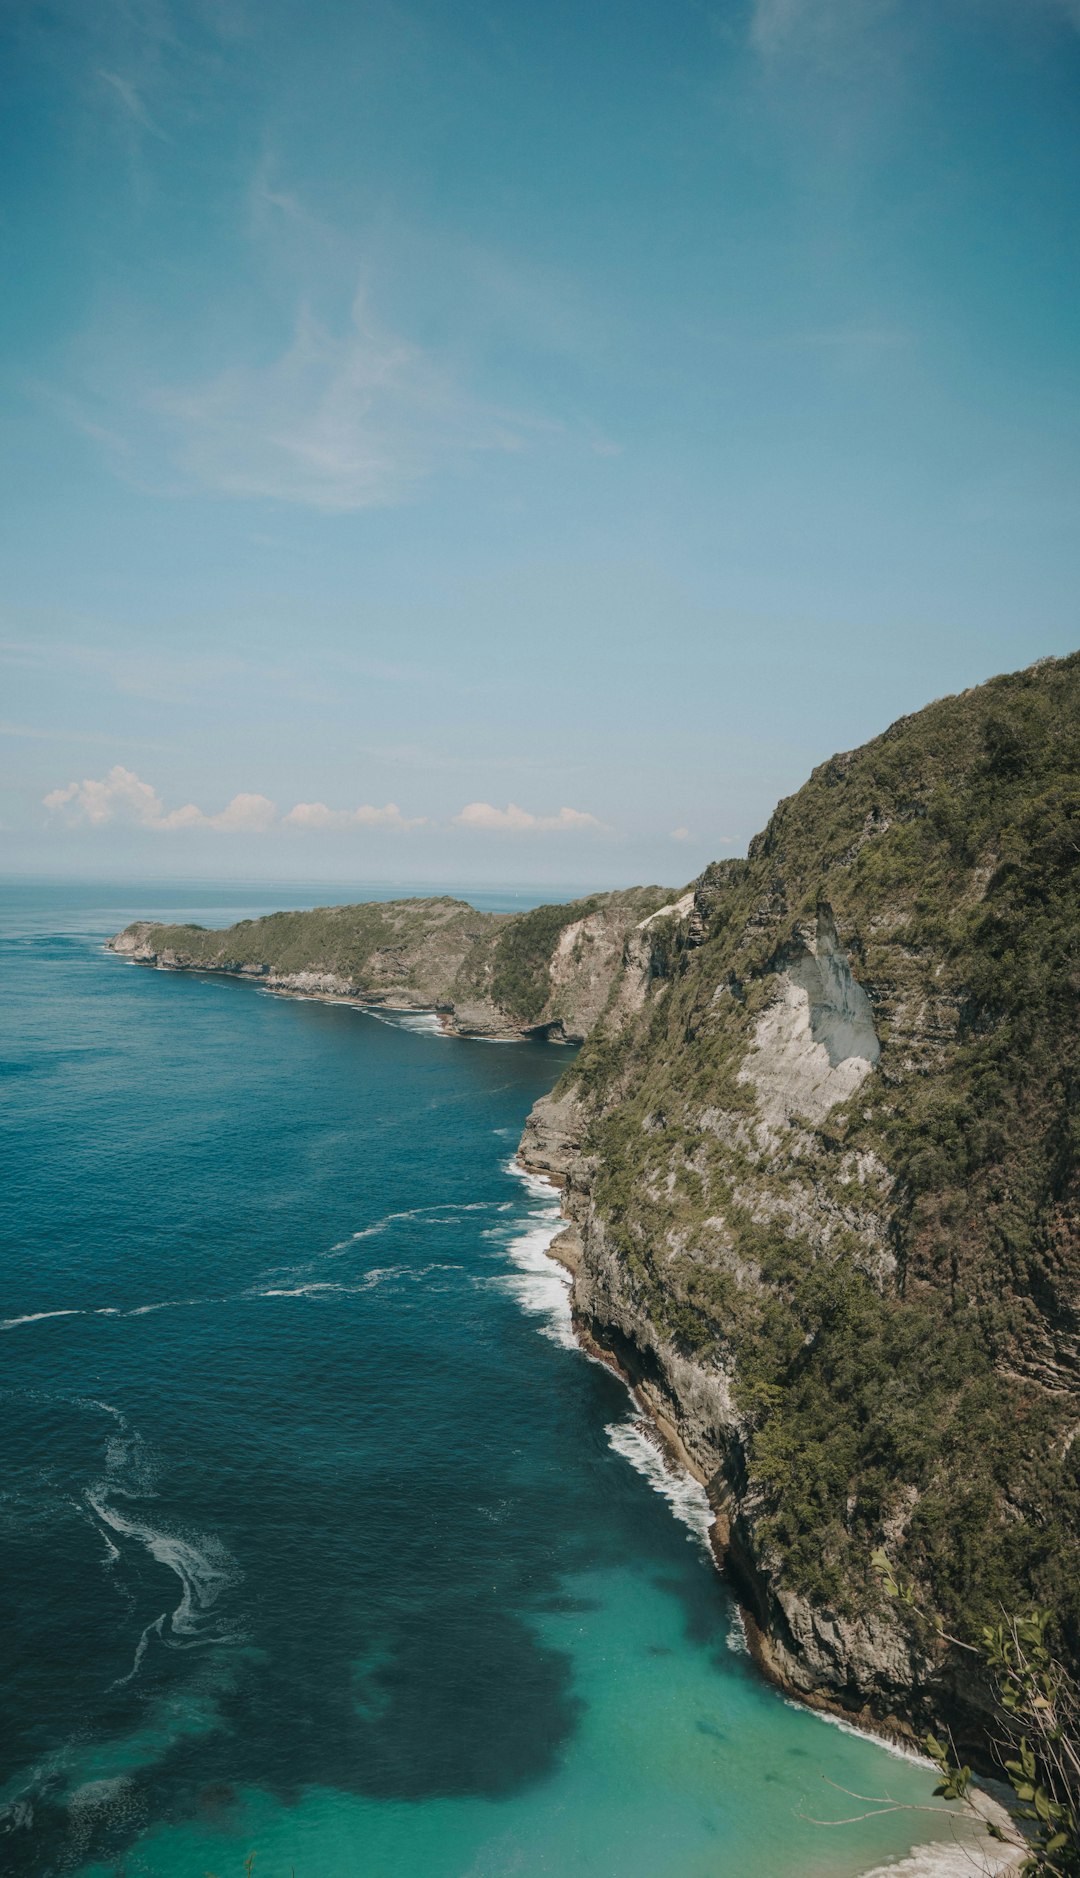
(340, 421)
(818, 27)
(343, 419)
(131, 100)
(520, 821)
(36, 733)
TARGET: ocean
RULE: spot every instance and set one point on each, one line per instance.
(321, 1540)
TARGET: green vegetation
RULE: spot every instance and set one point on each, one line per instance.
(521, 981)
(521, 978)
(1035, 1735)
(442, 952)
(902, 1338)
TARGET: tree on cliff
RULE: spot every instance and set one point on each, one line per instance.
(1036, 1738)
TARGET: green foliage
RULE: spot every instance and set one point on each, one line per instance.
(947, 850)
(438, 950)
(1038, 1743)
(520, 979)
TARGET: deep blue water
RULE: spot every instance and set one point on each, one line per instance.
(319, 1538)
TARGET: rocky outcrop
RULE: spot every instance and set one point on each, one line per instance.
(556, 971)
(821, 1197)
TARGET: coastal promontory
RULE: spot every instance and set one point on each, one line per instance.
(817, 1155)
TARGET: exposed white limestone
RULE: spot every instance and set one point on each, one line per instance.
(815, 1043)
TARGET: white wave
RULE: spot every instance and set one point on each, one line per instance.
(112, 1552)
(299, 1291)
(541, 1287)
(737, 1640)
(91, 1401)
(539, 1283)
(165, 1304)
(379, 1275)
(101, 1310)
(36, 1317)
(963, 1858)
(453, 1207)
(421, 1023)
(887, 1746)
(685, 1495)
(385, 1274)
(377, 1227)
(538, 1185)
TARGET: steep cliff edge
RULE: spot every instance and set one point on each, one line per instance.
(821, 1194)
(548, 972)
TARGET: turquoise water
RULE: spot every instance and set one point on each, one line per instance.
(320, 1539)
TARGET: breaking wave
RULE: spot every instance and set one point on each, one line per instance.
(422, 1023)
(539, 1283)
(634, 1441)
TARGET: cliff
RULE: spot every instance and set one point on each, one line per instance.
(547, 972)
(818, 1161)
(821, 1192)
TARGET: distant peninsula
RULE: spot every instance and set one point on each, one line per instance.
(551, 972)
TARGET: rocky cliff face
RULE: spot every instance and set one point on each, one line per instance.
(549, 972)
(821, 1194)
(818, 1161)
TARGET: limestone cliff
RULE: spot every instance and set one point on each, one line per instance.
(821, 1192)
(818, 1154)
(549, 971)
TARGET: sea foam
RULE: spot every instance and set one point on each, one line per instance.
(539, 1283)
(634, 1441)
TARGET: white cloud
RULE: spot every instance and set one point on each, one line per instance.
(122, 796)
(681, 834)
(520, 821)
(244, 815)
(119, 796)
(317, 817)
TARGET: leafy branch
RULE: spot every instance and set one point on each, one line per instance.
(1037, 1710)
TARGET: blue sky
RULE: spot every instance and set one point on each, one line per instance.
(516, 441)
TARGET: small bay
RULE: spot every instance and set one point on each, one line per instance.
(320, 1538)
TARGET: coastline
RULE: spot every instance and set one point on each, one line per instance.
(372, 1003)
(957, 1857)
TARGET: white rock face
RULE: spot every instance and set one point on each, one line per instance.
(680, 907)
(816, 1042)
